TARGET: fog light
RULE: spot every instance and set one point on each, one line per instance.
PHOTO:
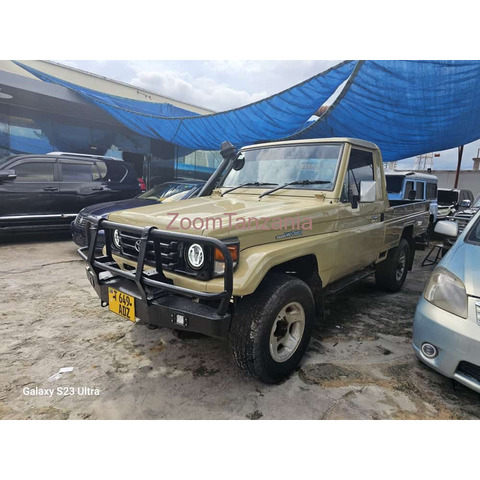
(429, 350)
(180, 319)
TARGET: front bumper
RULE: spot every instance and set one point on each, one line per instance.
(157, 300)
(457, 340)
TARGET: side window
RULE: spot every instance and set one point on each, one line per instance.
(431, 191)
(77, 172)
(116, 171)
(467, 195)
(420, 190)
(103, 170)
(408, 189)
(96, 174)
(34, 172)
(360, 168)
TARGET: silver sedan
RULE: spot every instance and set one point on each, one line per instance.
(446, 328)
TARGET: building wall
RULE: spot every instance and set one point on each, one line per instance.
(468, 180)
(39, 117)
(96, 82)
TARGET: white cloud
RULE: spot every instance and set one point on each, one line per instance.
(201, 91)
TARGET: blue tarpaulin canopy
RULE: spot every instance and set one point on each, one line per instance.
(406, 107)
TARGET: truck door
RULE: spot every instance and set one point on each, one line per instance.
(360, 225)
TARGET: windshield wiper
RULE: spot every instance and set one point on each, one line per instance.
(248, 184)
(298, 182)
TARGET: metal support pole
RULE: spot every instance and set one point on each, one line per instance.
(459, 164)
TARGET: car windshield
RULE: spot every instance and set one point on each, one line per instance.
(394, 183)
(474, 234)
(165, 190)
(295, 163)
(447, 197)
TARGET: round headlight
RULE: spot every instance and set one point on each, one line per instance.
(117, 241)
(195, 256)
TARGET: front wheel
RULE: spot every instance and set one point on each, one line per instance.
(391, 273)
(272, 327)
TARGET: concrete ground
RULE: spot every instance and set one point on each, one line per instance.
(359, 365)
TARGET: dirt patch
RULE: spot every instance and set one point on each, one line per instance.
(329, 375)
(254, 415)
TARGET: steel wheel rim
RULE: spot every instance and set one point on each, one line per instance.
(287, 332)
(402, 262)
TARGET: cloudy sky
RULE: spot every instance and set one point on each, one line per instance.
(214, 84)
(221, 85)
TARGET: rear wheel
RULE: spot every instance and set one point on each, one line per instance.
(391, 273)
(272, 327)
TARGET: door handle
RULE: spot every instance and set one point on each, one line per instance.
(97, 188)
(50, 189)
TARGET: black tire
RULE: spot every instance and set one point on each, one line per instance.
(387, 274)
(253, 322)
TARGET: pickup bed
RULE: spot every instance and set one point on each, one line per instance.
(277, 228)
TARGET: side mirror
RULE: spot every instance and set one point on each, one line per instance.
(412, 195)
(239, 162)
(466, 203)
(447, 228)
(368, 191)
(6, 175)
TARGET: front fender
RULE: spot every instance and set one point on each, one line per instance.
(256, 262)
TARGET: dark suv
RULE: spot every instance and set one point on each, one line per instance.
(45, 192)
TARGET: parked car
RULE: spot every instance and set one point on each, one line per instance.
(463, 216)
(44, 192)
(450, 200)
(278, 227)
(414, 187)
(446, 328)
(401, 184)
(174, 190)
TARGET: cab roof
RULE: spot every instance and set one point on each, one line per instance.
(352, 141)
(411, 174)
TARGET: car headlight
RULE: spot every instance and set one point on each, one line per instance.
(117, 241)
(219, 260)
(195, 256)
(447, 291)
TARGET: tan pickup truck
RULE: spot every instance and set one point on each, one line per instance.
(277, 228)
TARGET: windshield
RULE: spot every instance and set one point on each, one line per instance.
(165, 190)
(447, 197)
(394, 183)
(280, 165)
(474, 234)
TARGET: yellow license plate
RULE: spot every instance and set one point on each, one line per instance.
(121, 304)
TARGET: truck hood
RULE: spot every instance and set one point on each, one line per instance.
(100, 209)
(231, 216)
